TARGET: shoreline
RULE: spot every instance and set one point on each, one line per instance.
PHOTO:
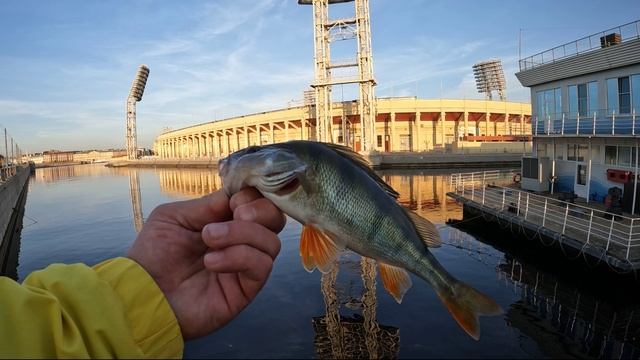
(378, 161)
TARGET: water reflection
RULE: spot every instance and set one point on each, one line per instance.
(188, 182)
(567, 322)
(356, 336)
(136, 200)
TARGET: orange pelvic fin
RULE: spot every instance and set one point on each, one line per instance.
(317, 249)
(466, 304)
(396, 280)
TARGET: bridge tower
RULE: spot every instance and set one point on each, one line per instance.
(135, 95)
(327, 31)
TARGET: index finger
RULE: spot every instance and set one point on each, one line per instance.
(195, 214)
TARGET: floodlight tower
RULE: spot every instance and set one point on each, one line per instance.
(325, 32)
(490, 76)
(135, 95)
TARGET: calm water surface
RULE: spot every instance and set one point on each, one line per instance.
(89, 213)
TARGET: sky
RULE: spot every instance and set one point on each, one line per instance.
(66, 66)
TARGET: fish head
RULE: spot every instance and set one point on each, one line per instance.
(270, 169)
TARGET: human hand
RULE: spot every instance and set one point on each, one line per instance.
(210, 256)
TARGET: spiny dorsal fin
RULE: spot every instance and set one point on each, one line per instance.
(317, 249)
(395, 280)
(363, 164)
(425, 228)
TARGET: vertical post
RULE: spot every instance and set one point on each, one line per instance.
(566, 214)
(473, 187)
(613, 218)
(518, 209)
(526, 210)
(504, 193)
(578, 124)
(544, 213)
(590, 223)
(613, 123)
(629, 243)
(6, 149)
(633, 121)
(594, 123)
(536, 132)
(635, 182)
(483, 187)
(562, 127)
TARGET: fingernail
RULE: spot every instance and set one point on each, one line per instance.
(213, 257)
(247, 213)
(217, 230)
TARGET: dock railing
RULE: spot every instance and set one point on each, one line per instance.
(596, 122)
(612, 234)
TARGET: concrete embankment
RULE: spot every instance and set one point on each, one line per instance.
(378, 160)
(13, 194)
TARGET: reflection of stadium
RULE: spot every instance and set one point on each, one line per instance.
(567, 323)
(188, 182)
(424, 193)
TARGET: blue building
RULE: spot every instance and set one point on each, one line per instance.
(585, 98)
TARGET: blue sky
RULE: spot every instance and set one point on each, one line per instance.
(66, 66)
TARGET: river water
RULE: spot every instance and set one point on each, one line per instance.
(89, 213)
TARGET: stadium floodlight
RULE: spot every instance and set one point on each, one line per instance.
(490, 76)
(135, 95)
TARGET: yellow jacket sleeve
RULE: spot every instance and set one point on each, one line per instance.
(114, 309)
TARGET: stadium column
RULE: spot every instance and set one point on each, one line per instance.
(416, 127)
(443, 127)
(392, 138)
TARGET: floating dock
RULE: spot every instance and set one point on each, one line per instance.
(584, 228)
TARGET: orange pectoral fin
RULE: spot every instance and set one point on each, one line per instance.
(396, 280)
(317, 249)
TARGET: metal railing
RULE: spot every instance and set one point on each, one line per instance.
(592, 42)
(601, 122)
(10, 156)
(613, 234)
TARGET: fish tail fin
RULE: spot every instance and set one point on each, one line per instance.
(465, 305)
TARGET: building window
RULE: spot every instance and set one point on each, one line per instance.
(571, 152)
(619, 94)
(610, 155)
(583, 99)
(583, 152)
(595, 154)
(379, 138)
(624, 95)
(582, 175)
(549, 103)
(635, 93)
(624, 155)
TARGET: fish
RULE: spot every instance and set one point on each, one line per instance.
(343, 204)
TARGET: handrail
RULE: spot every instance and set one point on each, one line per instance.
(597, 122)
(589, 43)
(612, 233)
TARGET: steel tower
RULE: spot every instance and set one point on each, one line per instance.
(135, 95)
(327, 31)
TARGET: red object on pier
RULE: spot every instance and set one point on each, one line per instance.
(619, 176)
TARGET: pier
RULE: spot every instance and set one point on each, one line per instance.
(582, 227)
(13, 194)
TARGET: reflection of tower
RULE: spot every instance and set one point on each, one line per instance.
(325, 32)
(357, 336)
(135, 95)
(136, 200)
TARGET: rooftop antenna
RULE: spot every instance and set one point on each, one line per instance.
(490, 76)
(135, 95)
